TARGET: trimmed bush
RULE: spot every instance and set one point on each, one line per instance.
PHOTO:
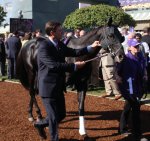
(97, 15)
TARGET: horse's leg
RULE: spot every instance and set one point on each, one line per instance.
(38, 111)
(81, 98)
(33, 91)
(30, 109)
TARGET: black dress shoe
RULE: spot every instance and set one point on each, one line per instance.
(40, 130)
(84, 137)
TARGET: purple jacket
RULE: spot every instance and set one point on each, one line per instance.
(131, 70)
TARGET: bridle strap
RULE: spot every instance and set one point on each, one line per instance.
(117, 51)
(109, 48)
(98, 56)
(105, 37)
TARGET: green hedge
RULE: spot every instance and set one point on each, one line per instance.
(97, 15)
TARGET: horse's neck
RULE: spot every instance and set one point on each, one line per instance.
(83, 41)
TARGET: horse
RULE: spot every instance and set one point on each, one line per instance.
(110, 39)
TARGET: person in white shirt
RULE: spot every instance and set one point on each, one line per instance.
(144, 47)
(124, 32)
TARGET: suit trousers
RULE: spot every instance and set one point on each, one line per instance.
(11, 68)
(55, 109)
(134, 106)
(2, 68)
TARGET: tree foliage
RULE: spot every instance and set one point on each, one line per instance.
(97, 15)
(2, 15)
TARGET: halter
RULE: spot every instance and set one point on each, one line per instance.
(105, 37)
(109, 48)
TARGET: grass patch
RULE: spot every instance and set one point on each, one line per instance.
(96, 91)
(3, 78)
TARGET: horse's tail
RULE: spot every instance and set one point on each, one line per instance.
(21, 70)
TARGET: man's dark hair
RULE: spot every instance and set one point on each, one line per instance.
(16, 32)
(51, 26)
(27, 36)
(38, 30)
(138, 35)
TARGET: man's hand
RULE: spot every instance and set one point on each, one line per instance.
(95, 44)
(79, 64)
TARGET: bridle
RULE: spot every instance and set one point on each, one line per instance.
(109, 49)
(108, 46)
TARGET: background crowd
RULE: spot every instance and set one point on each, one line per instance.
(11, 43)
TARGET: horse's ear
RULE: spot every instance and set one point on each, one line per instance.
(118, 25)
(109, 22)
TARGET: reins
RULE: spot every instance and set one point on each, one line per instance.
(99, 56)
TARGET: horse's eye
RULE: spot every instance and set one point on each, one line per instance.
(111, 36)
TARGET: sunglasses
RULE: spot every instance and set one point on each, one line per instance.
(137, 46)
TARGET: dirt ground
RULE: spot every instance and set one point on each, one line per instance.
(102, 117)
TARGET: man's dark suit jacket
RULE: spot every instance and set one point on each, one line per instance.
(13, 45)
(52, 67)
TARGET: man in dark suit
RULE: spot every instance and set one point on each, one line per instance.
(13, 45)
(2, 56)
(51, 76)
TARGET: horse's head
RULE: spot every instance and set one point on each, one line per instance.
(111, 40)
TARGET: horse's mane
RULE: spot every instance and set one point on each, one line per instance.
(84, 40)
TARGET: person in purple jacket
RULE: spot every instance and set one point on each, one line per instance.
(131, 73)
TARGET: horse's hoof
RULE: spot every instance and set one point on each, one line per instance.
(84, 137)
(38, 119)
(82, 132)
(31, 119)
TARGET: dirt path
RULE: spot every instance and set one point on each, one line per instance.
(102, 117)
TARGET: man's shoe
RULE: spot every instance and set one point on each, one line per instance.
(144, 139)
(40, 130)
(117, 97)
(84, 137)
(125, 133)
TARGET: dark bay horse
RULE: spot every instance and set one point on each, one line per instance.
(110, 39)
